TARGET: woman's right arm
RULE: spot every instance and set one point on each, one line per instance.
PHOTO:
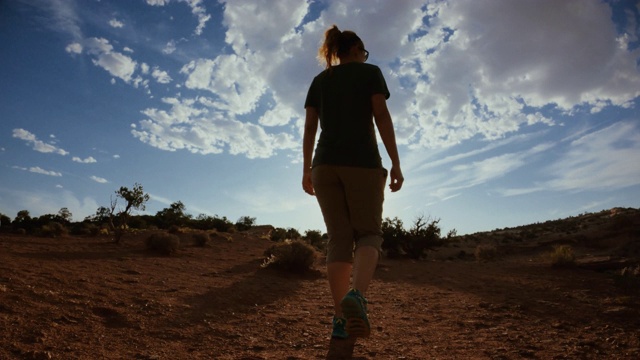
(308, 141)
(388, 136)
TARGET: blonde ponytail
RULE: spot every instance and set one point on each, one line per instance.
(336, 45)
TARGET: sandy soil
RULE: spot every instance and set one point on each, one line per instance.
(87, 298)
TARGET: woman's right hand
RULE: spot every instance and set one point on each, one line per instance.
(396, 178)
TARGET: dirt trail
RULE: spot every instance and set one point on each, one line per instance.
(86, 298)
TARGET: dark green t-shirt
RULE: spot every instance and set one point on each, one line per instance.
(342, 97)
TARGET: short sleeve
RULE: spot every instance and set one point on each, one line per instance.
(379, 85)
(313, 95)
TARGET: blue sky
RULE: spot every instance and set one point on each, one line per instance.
(506, 112)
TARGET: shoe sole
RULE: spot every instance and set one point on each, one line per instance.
(357, 322)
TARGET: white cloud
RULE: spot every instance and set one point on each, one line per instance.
(280, 115)
(197, 9)
(456, 70)
(116, 23)
(231, 78)
(42, 202)
(117, 64)
(271, 23)
(161, 76)
(605, 159)
(64, 17)
(478, 172)
(144, 68)
(193, 126)
(128, 49)
(37, 145)
(169, 48)
(74, 48)
(157, 2)
(98, 179)
(88, 160)
(200, 12)
(39, 170)
(116, 156)
(477, 74)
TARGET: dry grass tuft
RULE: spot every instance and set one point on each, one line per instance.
(563, 256)
(290, 255)
(201, 239)
(163, 243)
(486, 252)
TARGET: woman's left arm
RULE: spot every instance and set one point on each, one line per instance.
(387, 134)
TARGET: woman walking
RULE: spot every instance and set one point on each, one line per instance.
(346, 174)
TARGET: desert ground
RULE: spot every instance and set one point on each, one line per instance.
(88, 298)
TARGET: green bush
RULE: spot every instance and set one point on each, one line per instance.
(85, 229)
(629, 280)
(486, 252)
(394, 237)
(201, 239)
(175, 229)
(54, 229)
(563, 256)
(290, 255)
(423, 235)
(163, 243)
(245, 223)
(315, 239)
(281, 234)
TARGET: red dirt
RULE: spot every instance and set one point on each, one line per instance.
(87, 298)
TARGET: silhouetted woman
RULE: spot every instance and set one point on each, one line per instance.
(346, 174)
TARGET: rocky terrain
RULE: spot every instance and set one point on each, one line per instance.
(87, 298)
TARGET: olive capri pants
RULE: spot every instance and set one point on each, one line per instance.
(351, 200)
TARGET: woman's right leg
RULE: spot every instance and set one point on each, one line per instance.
(365, 198)
(332, 200)
(339, 274)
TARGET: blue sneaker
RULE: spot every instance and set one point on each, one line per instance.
(339, 331)
(354, 308)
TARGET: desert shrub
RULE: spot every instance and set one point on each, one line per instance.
(423, 235)
(281, 234)
(629, 279)
(394, 235)
(290, 255)
(621, 222)
(220, 237)
(21, 231)
(175, 229)
(137, 222)
(85, 229)
(315, 239)
(201, 239)
(562, 256)
(452, 234)
(163, 243)
(486, 252)
(54, 229)
(245, 223)
(221, 224)
(5, 222)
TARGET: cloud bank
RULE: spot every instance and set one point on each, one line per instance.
(457, 70)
